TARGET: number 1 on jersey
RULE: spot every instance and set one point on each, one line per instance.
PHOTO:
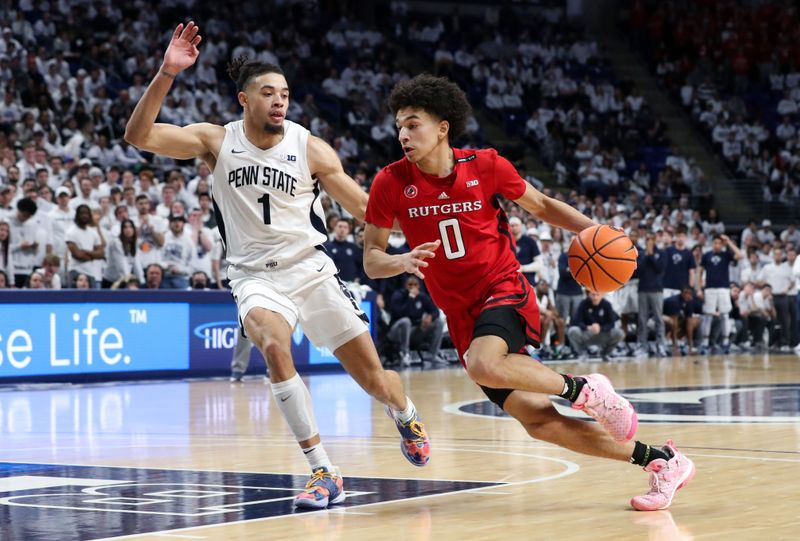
(447, 239)
(264, 200)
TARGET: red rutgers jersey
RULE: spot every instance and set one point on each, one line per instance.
(462, 210)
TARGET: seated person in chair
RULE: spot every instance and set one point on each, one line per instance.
(415, 321)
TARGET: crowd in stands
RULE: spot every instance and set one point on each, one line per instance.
(554, 88)
(695, 290)
(735, 68)
(80, 208)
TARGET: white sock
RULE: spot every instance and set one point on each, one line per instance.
(317, 457)
(407, 414)
(727, 325)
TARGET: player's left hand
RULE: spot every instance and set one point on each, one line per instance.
(182, 50)
(415, 259)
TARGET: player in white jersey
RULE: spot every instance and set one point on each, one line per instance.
(268, 174)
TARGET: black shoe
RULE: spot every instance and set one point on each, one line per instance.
(236, 376)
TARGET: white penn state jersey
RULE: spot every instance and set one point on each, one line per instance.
(266, 201)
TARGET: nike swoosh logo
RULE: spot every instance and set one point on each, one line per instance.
(234, 151)
(306, 451)
(285, 398)
(322, 267)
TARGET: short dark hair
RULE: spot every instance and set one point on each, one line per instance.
(437, 96)
(242, 71)
(27, 205)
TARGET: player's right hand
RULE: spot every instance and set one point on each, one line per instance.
(415, 259)
(182, 50)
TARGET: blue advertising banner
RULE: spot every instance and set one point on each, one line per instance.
(214, 330)
(56, 339)
(65, 335)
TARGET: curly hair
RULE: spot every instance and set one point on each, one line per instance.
(436, 96)
(242, 70)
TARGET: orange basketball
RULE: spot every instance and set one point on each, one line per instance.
(602, 258)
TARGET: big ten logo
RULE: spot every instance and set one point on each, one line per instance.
(218, 334)
(159, 499)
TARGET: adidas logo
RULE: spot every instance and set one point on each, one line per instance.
(444, 196)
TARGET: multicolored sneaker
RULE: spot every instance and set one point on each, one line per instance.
(599, 400)
(666, 477)
(413, 439)
(323, 489)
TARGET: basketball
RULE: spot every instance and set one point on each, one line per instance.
(602, 258)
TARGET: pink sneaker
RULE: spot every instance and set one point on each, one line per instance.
(599, 400)
(666, 477)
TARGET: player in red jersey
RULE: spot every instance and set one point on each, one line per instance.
(446, 202)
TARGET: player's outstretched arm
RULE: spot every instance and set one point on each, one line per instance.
(326, 166)
(379, 264)
(553, 211)
(165, 139)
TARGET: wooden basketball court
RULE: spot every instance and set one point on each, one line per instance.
(212, 460)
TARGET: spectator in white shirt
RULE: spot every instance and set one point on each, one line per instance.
(765, 234)
(494, 100)
(779, 276)
(791, 259)
(51, 277)
(27, 241)
(750, 269)
(442, 59)
(732, 149)
(122, 256)
(86, 246)
(755, 312)
(6, 255)
(126, 155)
(536, 127)
(785, 130)
(348, 146)
(177, 255)
(150, 230)
(164, 209)
(206, 73)
(787, 105)
(27, 165)
(110, 181)
(791, 234)
(10, 109)
(86, 196)
(334, 86)
(202, 238)
(62, 217)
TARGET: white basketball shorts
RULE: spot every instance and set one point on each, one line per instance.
(308, 292)
(628, 297)
(717, 300)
